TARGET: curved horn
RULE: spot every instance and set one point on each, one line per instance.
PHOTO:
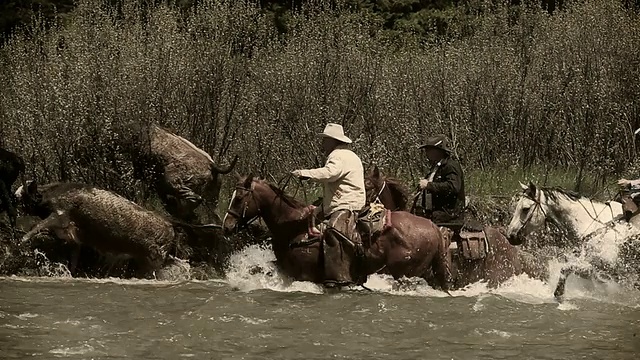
(225, 170)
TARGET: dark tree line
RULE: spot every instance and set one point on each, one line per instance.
(424, 17)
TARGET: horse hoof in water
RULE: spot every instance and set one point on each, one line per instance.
(559, 292)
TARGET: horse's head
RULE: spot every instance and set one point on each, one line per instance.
(529, 214)
(374, 185)
(29, 197)
(243, 206)
(387, 191)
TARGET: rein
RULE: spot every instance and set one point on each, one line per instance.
(242, 223)
(286, 180)
(376, 199)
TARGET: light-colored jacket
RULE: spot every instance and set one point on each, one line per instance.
(343, 180)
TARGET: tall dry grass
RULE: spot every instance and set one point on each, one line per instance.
(524, 89)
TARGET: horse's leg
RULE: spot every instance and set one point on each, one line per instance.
(441, 268)
(560, 287)
(564, 274)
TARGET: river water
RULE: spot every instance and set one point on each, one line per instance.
(251, 315)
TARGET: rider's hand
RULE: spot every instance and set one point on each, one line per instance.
(424, 183)
(624, 182)
(298, 174)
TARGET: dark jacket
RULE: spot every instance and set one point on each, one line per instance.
(447, 188)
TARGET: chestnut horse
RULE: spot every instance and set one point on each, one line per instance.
(409, 246)
(501, 262)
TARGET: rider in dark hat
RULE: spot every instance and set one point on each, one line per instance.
(444, 183)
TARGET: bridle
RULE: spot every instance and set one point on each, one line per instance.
(241, 219)
(537, 205)
(376, 199)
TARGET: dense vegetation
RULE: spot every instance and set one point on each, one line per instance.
(422, 16)
(514, 87)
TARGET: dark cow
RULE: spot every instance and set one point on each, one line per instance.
(11, 167)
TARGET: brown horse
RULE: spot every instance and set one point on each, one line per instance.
(499, 263)
(407, 246)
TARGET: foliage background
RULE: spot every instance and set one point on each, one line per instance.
(519, 89)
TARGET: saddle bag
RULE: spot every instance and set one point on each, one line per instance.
(473, 245)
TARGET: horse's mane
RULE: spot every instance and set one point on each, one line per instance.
(290, 200)
(399, 193)
(552, 193)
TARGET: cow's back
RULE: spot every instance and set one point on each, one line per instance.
(112, 223)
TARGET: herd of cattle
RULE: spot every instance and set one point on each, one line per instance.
(100, 233)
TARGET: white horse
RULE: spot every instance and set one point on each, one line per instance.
(581, 216)
(598, 228)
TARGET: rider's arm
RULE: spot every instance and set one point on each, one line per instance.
(451, 183)
(331, 171)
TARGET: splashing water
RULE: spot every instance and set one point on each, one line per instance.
(254, 269)
(49, 268)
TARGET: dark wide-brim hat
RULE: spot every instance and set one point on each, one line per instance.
(436, 141)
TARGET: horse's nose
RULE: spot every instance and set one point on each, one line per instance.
(515, 239)
(227, 229)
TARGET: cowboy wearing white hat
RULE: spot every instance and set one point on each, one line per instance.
(344, 196)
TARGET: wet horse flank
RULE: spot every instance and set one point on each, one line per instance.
(84, 215)
(501, 262)
(184, 176)
(409, 246)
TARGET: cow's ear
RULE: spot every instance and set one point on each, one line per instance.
(32, 187)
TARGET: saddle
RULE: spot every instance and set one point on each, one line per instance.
(371, 220)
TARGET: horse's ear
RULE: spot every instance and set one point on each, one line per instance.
(523, 186)
(376, 172)
(531, 190)
(237, 175)
(248, 181)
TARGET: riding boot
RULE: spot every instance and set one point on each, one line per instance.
(334, 272)
(338, 254)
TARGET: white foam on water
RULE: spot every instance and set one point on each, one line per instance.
(76, 350)
(26, 316)
(253, 269)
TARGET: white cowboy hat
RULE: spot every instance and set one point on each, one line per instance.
(335, 131)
